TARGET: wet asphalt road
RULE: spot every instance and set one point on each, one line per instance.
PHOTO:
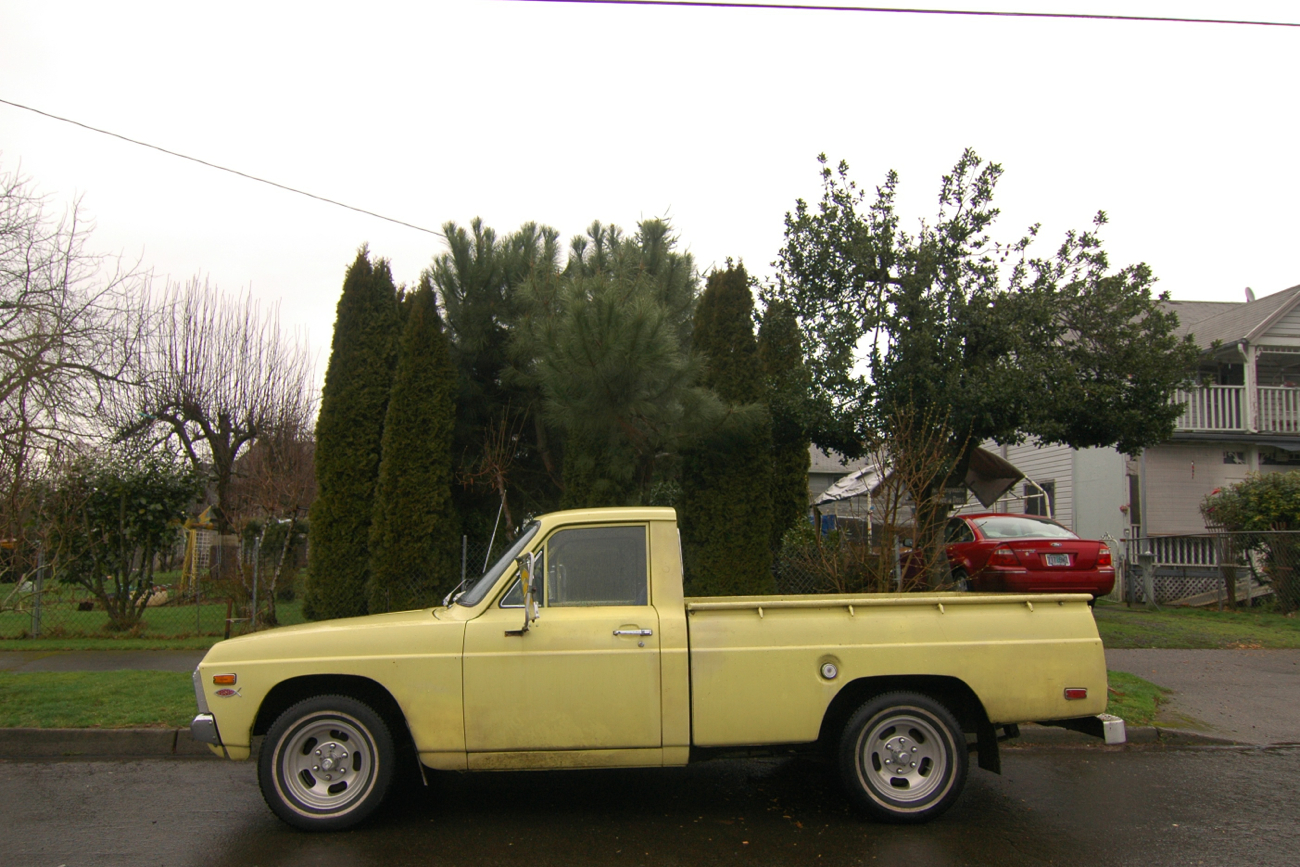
(1083, 806)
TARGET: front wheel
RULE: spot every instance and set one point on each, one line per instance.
(326, 763)
(903, 757)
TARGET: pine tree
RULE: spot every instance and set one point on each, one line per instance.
(781, 357)
(607, 345)
(726, 500)
(414, 540)
(349, 432)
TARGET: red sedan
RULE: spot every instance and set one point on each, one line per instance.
(1025, 554)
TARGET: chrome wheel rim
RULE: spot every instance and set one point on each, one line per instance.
(902, 757)
(326, 763)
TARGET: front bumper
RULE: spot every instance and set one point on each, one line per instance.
(203, 728)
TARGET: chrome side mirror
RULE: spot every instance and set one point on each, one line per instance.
(528, 581)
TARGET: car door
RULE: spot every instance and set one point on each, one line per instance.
(585, 675)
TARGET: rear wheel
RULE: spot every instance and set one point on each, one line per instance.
(960, 580)
(903, 757)
(326, 763)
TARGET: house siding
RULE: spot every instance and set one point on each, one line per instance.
(1179, 475)
(1286, 330)
(1042, 464)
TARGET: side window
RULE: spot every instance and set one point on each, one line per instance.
(514, 597)
(958, 531)
(597, 566)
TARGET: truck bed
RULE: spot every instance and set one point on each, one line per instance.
(757, 662)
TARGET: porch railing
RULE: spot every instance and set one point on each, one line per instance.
(1212, 408)
(1279, 410)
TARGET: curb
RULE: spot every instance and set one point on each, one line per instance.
(100, 744)
(1138, 736)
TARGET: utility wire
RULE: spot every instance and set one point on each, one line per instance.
(904, 10)
(220, 168)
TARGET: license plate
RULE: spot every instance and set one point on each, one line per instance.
(1057, 559)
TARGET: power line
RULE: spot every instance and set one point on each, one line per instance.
(220, 167)
(904, 10)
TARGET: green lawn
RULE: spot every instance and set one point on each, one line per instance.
(62, 621)
(1194, 628)
(95, 699)
(1134, 700)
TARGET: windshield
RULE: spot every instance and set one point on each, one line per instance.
(1016, 527)
(475, 594)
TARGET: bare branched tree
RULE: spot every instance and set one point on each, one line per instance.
(908, 505)
(70, 323)
(215, 375)
(275, 482)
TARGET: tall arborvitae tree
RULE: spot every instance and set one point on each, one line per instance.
(726, 500)
(415, 537)
(349, 432)
(780, 355)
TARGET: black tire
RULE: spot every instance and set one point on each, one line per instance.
(326, 763)
(960, 580)
(903, 758)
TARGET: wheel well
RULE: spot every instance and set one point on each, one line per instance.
(952, 693)
(289, 692)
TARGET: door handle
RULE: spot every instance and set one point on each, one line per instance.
(634, 632)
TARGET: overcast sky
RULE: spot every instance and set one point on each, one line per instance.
(563, 113)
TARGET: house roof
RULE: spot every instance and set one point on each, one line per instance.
(1208, 321)
(833, 462)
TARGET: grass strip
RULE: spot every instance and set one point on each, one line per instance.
(1195, 628)
(1134, 700)
(95, 699)
(124, 643)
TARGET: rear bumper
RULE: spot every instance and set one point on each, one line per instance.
(1097, 582)
(1106, 726)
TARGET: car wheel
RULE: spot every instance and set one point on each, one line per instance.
(960, 580)
(903, 757)
(326, 763)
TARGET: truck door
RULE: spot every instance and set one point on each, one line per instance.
(586, 674)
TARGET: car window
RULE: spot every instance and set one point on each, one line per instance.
(958, 531)
(597, 566)
(1021, 527)
(514, 597)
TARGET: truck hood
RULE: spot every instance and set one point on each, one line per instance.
(373, 635)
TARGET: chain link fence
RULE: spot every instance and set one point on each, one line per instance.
(1198, 569)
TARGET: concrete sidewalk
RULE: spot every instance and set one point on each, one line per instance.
(1247, 696)
(100, 660)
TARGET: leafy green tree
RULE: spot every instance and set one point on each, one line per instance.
(726, 501)
(108, 516)
(415, 536)
(607, 346)
(1257, 511)
(780, 355)
(349, 433)
(1002, 344)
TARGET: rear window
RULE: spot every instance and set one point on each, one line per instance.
(1018, 527)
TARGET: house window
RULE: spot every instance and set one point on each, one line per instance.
(1041, 502)
(1234, 457)
(1134, 500)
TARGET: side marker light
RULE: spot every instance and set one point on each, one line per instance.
(1073, 693)
(224, 679)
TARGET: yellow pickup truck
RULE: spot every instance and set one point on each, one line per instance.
(579, 650)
